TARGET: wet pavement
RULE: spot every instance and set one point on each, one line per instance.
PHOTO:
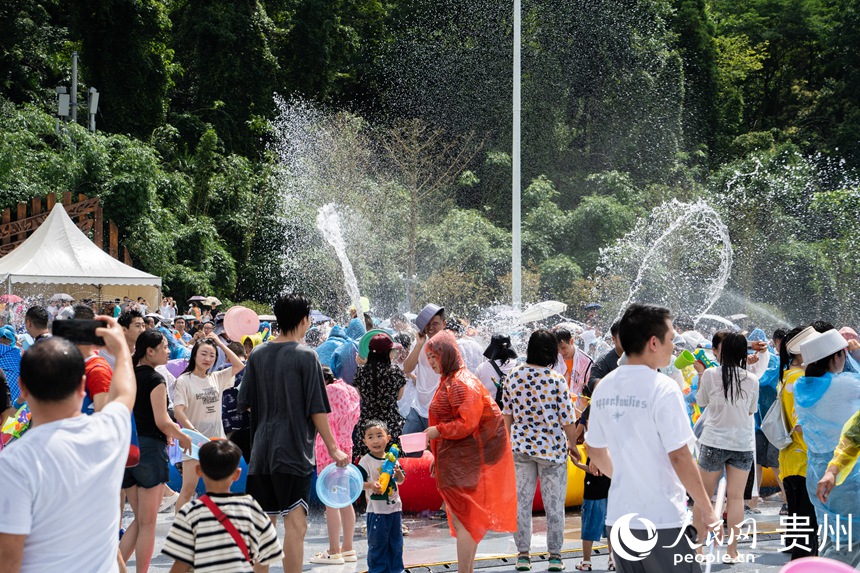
(430, 549)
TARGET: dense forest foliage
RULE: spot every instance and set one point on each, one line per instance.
(224, 124)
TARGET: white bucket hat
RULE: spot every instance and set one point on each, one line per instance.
(824, 345)
(793, 345)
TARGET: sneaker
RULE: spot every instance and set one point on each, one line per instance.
(555, 564)
(167, 503)
(349, 556)
(325, 558)
(524, 563)
(583, 566)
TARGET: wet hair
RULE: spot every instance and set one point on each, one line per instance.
(822, 326)
(454, 325)
(778, 334)
(328, 375)
(641, 322)
(733, 359)
(718, 337)
(52, 369)
(192, 360)
(125, 318)
(613, 330)
(785, 357)
(83, 312)
(290, 310)
(373, 424)
(38, 315)
(146, 340)
(562, 335)
(219, 459)
(821, 367)
(542, 349)
(403, 340)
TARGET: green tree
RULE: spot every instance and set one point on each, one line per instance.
(125, 55)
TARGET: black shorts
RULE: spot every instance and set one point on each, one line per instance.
(153, 468)
(280, 494)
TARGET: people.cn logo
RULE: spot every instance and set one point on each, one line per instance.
(626, 545)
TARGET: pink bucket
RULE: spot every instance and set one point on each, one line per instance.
(414, 442)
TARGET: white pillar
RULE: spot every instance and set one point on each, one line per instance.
(516, 258)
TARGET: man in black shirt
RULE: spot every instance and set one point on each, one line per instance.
(608, 362)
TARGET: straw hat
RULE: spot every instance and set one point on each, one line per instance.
(793, 345)
(821, 346)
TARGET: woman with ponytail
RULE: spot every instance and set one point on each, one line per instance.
(730, 393)
(142, 484)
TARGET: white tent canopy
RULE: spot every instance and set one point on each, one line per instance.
(58, 253)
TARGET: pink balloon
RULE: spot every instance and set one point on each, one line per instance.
(240, 321)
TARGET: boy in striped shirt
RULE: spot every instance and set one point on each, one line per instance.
(244, 540)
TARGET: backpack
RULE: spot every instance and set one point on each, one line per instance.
(775, 426)
(500, 385)
(231, 418)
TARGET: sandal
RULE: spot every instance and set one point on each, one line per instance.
(555, 563)
(611, 565)
(326, 558)
(524, 562)
(784, 509)
(349, 556)
(583, 566)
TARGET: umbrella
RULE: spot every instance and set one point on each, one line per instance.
(268, 318)
(210, 300)
(196, 298)
(541, 311)
(10, 299)
(719, 319)
(593, 306)
(62, 296)
(317, 316)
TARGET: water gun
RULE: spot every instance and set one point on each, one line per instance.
(16, 425)
(386, 474)
(704, 360)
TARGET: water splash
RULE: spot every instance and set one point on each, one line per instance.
(328, 222)
(680, 257)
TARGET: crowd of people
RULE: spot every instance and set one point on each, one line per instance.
(657, 407)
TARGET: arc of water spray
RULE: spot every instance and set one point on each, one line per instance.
(328, 222)
(716, 288)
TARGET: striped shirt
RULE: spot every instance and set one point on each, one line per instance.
(198, 539)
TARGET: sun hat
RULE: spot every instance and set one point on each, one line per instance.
(426, 314)
(793, 345)
(382, 344)
(821, 346)
(848, 333)
(500, 348)
(364, 342)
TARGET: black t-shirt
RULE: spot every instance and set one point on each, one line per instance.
(147, 381)
(594, 487)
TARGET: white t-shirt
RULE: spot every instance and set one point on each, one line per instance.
(202, 400)
(488, 375)
(61, 484)
(728, 425)
(639, 415)
(426, 383)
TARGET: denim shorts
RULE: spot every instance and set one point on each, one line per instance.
(593, 519)
(152, 470)
(715, 459)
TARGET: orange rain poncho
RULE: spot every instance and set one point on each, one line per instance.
(474, 462)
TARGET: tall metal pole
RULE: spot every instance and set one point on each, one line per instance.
(74, 94)
(516, 259)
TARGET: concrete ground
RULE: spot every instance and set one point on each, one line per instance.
(430, 549)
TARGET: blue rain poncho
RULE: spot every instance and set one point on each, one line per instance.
(824, 404)
(336, 338)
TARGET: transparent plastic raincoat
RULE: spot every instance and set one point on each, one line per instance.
(474, 462)
(824, 405)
